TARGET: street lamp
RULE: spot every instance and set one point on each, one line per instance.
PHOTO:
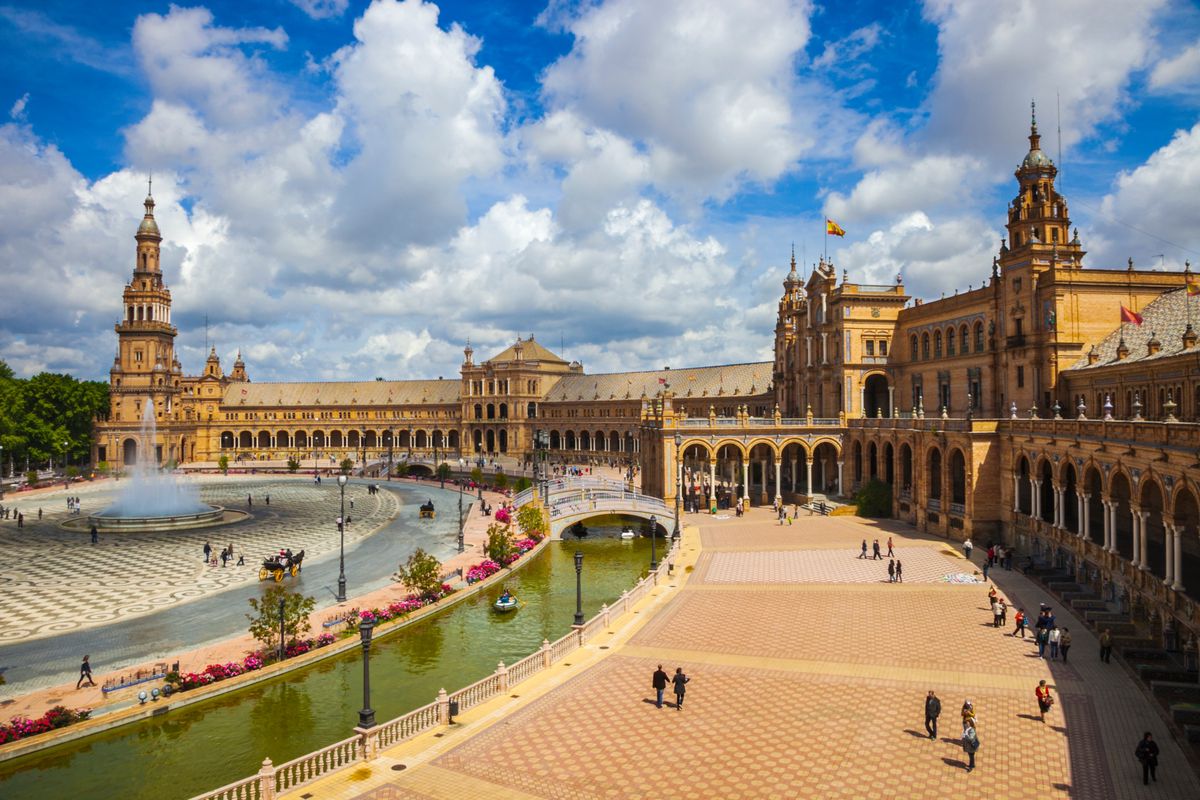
(391, 445)
(653, 536)
(578, 588)
(366, 717)
(341, 590)
(282, 651)
(461, 543)
(410, 443)
(679, 486)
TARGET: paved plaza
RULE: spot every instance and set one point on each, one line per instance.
(808, 675)
(53, 580)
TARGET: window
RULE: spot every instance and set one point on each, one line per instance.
(883, 347)
(912, 346)
(870, 347)
(978, 337)
(950, 342)
(937, 344)
(925, 345)
(964, 340)
(1020, 377)
(1019, 324)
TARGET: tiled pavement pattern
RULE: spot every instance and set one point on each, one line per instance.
(53, 580)
(807, 690)
(920, 565)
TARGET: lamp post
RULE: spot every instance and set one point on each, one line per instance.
(679, 483)
(391, 445)
(366, 717)
(461, 542)
(341, 590)
(362, 439)
(578, 588)
(282, 650)
(410, 442)
(653, 536)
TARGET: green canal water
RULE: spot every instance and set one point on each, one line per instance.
(198, 748)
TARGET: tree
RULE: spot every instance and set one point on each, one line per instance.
(522, 484)
(264, 622)
(422, 574)
(531, 521)
(477, 475)
(874, 499)
(499, 542)
(346, 466)
(293, 465)
(443, 472)
(402, 470)
(501, 481)
(31, 477)
(223, 464)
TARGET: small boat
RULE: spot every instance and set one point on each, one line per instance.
(506, 602)
(628, 533)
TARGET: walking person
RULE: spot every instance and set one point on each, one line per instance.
(891, 552)
(986, 566)
(1105, 646)
(659, 682)
(967, 547)
(1044, 698)
(968, 713)
(85, 673)
(1003, 612)
(1019, 623)
(1064, 643)
(891, 572)
(995, 611)
(207, 552)
(95, 535)
(249, 501)
(680, 682)
(1147, 753)
(864, 549)
(899, 572)
(1055, 637)
(933, 709)
(1042, 638)
(970, 743)
(875, 550)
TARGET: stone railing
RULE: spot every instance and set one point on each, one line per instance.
(367, 743)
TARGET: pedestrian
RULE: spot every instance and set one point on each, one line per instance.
(891, 552)
(899, 572)
(20, 520)
(995, 611)
(680, 681)
(249, 501)
(39, 513)
(268, 499)
(207, 552)
(659, 682)
(1003, 612)
(1147, 753)
(970, 743)
(864, 549)
(225, 556)
(1045, 700)
(1105, 646)
(1042, 638)
(1055, 636)
(1019, 623)
(967, 547)
(85, 673)
(1064, 643)
(968, 712)
(986, 566)
(933, 709)
(875, 549)
(1008, 558)
(241, 560)
(891, 571)
(95, 535)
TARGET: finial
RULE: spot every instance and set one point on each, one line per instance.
(1131, 263)
(150, 185)
(1033, 115)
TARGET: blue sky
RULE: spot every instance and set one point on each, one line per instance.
(350, 189)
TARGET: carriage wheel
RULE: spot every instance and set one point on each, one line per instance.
(279, 576)
(262, 573)
(295, 569)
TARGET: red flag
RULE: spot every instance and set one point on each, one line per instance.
(1130, 316)
(662, 381)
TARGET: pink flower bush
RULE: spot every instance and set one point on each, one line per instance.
(503, 516)
(57, 717)
(325, 638)
(482, 570)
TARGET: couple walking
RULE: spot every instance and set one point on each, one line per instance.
(660, 681)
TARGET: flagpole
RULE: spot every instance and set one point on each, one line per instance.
(826, 256)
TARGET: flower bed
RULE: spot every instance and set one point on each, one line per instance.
(400, 608)
(57, 717)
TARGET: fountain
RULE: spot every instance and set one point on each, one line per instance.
(154, 499)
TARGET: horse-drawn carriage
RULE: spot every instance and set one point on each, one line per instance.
(275, 566)
(427, 511)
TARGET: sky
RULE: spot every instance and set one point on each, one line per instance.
(351, 189)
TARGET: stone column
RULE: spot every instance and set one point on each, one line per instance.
(808, 473)
(1112, 526)
(712, 476)
(1058, 507)
(1176, 584)
(1135, 518)
(1035, 498)
(1141, 529)
(795, 463)
(778, 479)
(1016, 494)
(862, 401)
(1080, 513)
(746, 479)
(841, 464)
(1168, 554)
(891, 401)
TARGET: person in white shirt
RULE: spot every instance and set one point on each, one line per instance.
(1055, 638)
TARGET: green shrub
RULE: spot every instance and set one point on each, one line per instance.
(874, 499)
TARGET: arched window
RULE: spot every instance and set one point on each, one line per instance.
(964, 340)
(937, 344)
(478, 411)
(950, 342)
(912, 347)
(978, 337)
(925, 345)
(531, 411)
(491, 411)
(504, 411)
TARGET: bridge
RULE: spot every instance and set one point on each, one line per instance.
(572, 500)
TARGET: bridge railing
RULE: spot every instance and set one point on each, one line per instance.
(366, 744)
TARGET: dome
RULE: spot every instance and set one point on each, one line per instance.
(149, 227)
(1036, 158)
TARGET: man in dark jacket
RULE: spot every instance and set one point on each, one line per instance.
(659, 682)
(1147, 753)
(933, 709)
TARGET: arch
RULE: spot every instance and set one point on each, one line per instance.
(906, 467)
(478, 411)
(438, 439)
(933, 461)
(491, 441)
(319, 439)
(876, 398)
(504, 411)
(491, 410)
(422, 442)
(1119, 493)
(585, 440)
(1046, 491)
(889, 467)
(762, 471)
(503, 440)
(925, 346)
(1094, 487)
(872, 461)
(912, 347)
(372, 439)
(826, 456)
(454, 440)
(964, 340)
(353, 439)
(958, 477)
(1186, 512)
(978, 330)
(950, 341)
(555, 440)
(337, 439)
(282, 440)
(245, 440)
(405, 439)
(630, 446)
(730, 458)
(1070, 515)
(478, 439)
(1024, 488)
(570, 442)
(937, 344)
(614, 441)
(300, 440)
(1151, 503)
(600, 440)
(226, 440)
(129, 452)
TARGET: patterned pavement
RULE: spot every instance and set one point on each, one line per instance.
(805, 682)
(53, 580)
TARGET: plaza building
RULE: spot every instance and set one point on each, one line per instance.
(1018, 410)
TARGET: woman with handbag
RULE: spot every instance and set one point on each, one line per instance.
(970, 742)
(1045, 700)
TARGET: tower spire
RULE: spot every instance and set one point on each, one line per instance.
(1035, 141)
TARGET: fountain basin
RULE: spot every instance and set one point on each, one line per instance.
(216, 515)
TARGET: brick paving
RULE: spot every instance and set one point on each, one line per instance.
(807, 682)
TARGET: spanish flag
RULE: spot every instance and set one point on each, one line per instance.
(1130, 316)
(1193, 289)
(833, 229)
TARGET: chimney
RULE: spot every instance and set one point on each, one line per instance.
(1122, 350)
(1154, 345)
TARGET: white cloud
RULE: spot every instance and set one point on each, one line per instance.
(925, 182)
(322, 9)
(838, 54)
(17, 111)
(1178, 72)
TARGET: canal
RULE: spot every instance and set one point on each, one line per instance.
(202, 747)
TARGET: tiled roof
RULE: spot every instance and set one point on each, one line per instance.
(530, 351)
(733, 380)
(1164, 318)
(343, 393)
